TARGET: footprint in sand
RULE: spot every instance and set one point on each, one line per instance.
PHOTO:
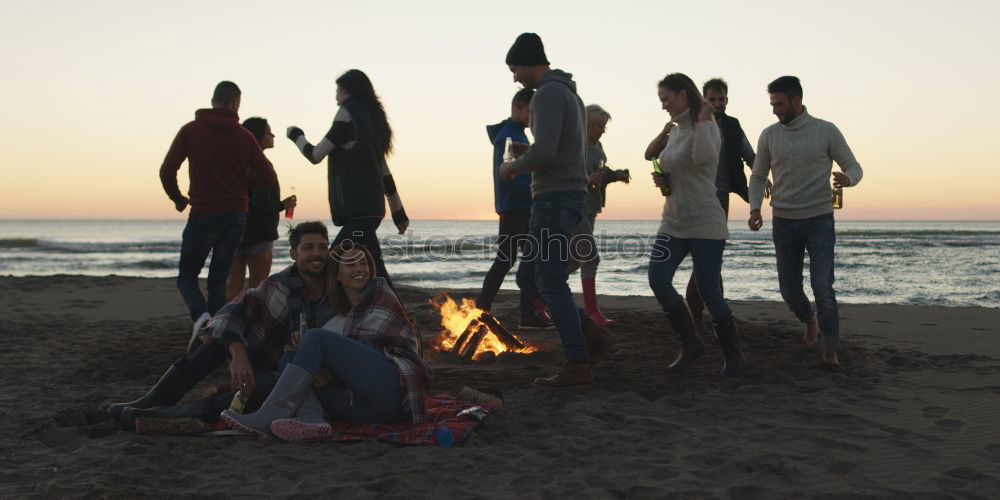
(935, 412)
(950, 425)
(841, 468)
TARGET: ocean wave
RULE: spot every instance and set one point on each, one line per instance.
(18, 242)
(42, 245)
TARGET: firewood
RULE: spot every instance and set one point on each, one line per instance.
(502, 334)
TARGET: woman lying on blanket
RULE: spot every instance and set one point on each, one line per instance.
(365, 361)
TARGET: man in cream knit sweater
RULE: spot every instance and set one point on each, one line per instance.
(800, 151)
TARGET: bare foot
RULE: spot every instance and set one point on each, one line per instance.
(831, 361)
(811, 337)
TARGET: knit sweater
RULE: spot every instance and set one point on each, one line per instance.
(691, 160)
(800, 155)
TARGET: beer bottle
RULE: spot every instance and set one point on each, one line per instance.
(838, 198)
(665, 188)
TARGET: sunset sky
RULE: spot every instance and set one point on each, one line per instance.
(93, 92)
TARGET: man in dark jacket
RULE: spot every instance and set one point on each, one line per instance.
(224, 160)
(556, 162)
(512, 201)
(730, 178)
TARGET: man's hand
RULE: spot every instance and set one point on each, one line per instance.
(506, 173)
(767, 189)
(240, 369)
(756, 221)
(596, 178)
(294, 133)
(181, 204)
(290, 202)
(518, 148)
(841, 180)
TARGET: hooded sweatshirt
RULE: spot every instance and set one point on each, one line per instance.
(557, 159)
(514, 194)
(224, 161)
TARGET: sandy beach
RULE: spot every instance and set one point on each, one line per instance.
(914, 412)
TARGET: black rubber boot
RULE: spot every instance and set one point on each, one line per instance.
(171, 387)
(208, 410)
(729, 339)
(692, 347)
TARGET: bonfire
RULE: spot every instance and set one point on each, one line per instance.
(471, 332)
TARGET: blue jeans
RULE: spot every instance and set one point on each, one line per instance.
(366, 383)
(219, 234)
(363, 231)
(706, 256)
(544, 270)
(792, 238)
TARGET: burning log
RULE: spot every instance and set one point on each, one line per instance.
(471, 332)
(473, 345)
(502, 334)
(457, 348)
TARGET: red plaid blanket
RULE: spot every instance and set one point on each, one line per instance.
(442, 411)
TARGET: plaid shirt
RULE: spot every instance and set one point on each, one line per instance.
(263, 320)
(379, 320)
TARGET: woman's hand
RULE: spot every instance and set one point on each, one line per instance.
(322, 378)
(659, 179)
(706, 111)
(290, 202)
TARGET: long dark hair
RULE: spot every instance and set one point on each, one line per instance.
(257, 126)
(676, 82)
(358, 86)
(338, 297)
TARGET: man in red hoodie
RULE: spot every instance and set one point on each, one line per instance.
(224, 159)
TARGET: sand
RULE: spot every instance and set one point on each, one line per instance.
(914, 413)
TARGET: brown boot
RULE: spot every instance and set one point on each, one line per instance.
(572, 373)
(599, 342)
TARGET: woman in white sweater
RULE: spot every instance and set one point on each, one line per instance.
(693, 221)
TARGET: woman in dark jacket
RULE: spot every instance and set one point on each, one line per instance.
(256, 249)
(357, 144)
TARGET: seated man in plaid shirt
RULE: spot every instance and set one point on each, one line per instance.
(254, 331)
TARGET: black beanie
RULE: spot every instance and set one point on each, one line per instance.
(527, 51)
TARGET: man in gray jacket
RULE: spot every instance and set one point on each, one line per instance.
(557, 164)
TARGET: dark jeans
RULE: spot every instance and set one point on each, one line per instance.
(366, 383)
(363, 231)
(514, 226)
(207, 358)
(792, 238)
(669, 252)
(545, 269)
(219, 234)
(694, 301)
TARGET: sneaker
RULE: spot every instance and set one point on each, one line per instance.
(535, 323)
(199, 325)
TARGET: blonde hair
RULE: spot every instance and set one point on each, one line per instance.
(595, 111)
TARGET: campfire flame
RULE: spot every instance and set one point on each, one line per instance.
(456, 319)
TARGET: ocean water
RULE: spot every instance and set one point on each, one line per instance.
(913, 262)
